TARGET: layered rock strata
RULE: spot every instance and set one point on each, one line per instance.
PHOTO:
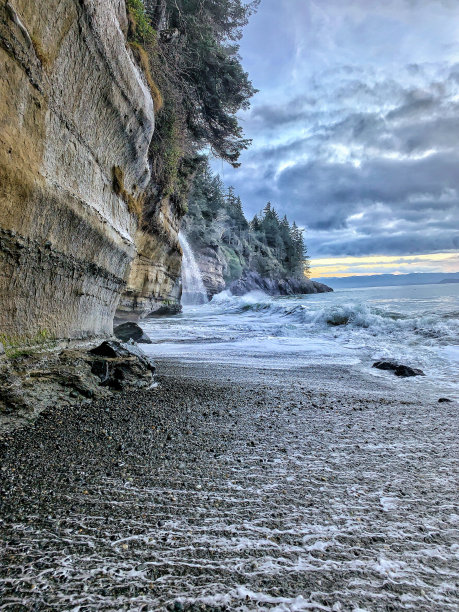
(153, 285)
(74, 110)
(212, 268)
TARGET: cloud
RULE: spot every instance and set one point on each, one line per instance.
(356, 129)
(414, 243)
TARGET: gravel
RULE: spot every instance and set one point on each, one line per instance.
(318, 489)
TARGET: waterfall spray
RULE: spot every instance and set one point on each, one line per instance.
(193, 290)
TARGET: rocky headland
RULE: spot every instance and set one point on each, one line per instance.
(267, 253)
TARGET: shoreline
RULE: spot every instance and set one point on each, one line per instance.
(317, 489)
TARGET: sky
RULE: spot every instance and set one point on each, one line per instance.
(355, 130)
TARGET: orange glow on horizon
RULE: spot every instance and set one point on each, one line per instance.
(384, 264)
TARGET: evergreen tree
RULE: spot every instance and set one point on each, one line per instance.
(267, 244)
(270, 225)
(200, 56)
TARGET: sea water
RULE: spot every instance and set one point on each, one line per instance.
(414, 325)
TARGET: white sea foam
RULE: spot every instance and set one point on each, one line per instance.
(418, 326)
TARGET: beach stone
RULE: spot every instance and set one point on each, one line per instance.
(405, 371)
(131, 331)
(112, 349)
(398, 369)
(385, 365)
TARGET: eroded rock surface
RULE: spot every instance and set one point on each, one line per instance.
(33, 382)
(212, 268)
(153, 284)
(73, 107)
(75, 110)
(252, 281)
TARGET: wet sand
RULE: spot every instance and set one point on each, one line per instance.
(235, 489)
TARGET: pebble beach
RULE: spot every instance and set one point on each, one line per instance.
(307, 490)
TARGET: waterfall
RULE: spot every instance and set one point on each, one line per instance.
(193, 291)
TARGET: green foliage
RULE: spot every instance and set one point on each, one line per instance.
(140, 28)
(188, 52)
(16, 346)
(214, 84)
(271, 246)
(234, 267)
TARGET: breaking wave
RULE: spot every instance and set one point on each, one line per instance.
(443, 327)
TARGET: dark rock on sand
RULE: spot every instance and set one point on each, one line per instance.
(405, 371)
(131, 331)
(31, 383)
(398, 369)
(385, 365)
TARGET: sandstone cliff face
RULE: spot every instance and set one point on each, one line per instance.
(212, 268)
(153, 285)
(73, 107)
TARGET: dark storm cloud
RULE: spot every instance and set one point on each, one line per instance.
(356, 128)
(406, 243)
(333, 192)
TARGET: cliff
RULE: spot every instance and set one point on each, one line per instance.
(76, 123)
(212, 267)
(153, 284)
(81, 223)
(267, 253)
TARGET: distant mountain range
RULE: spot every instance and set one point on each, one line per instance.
(387, 280)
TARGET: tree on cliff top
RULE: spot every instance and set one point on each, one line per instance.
(197, 41)
(268, 245)
(194, 64)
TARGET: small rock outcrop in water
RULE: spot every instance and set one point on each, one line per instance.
(131, 331)
(251, 281)
(398, 369)
(193, 290)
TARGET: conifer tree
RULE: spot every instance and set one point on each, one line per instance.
(268, 244)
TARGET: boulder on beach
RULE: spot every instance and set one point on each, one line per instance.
(398, 369)
(131, 331)
(111, 349)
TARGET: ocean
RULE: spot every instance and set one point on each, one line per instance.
(414, 325)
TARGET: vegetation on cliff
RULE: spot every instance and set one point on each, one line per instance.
(268, 245)
(189, 53)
